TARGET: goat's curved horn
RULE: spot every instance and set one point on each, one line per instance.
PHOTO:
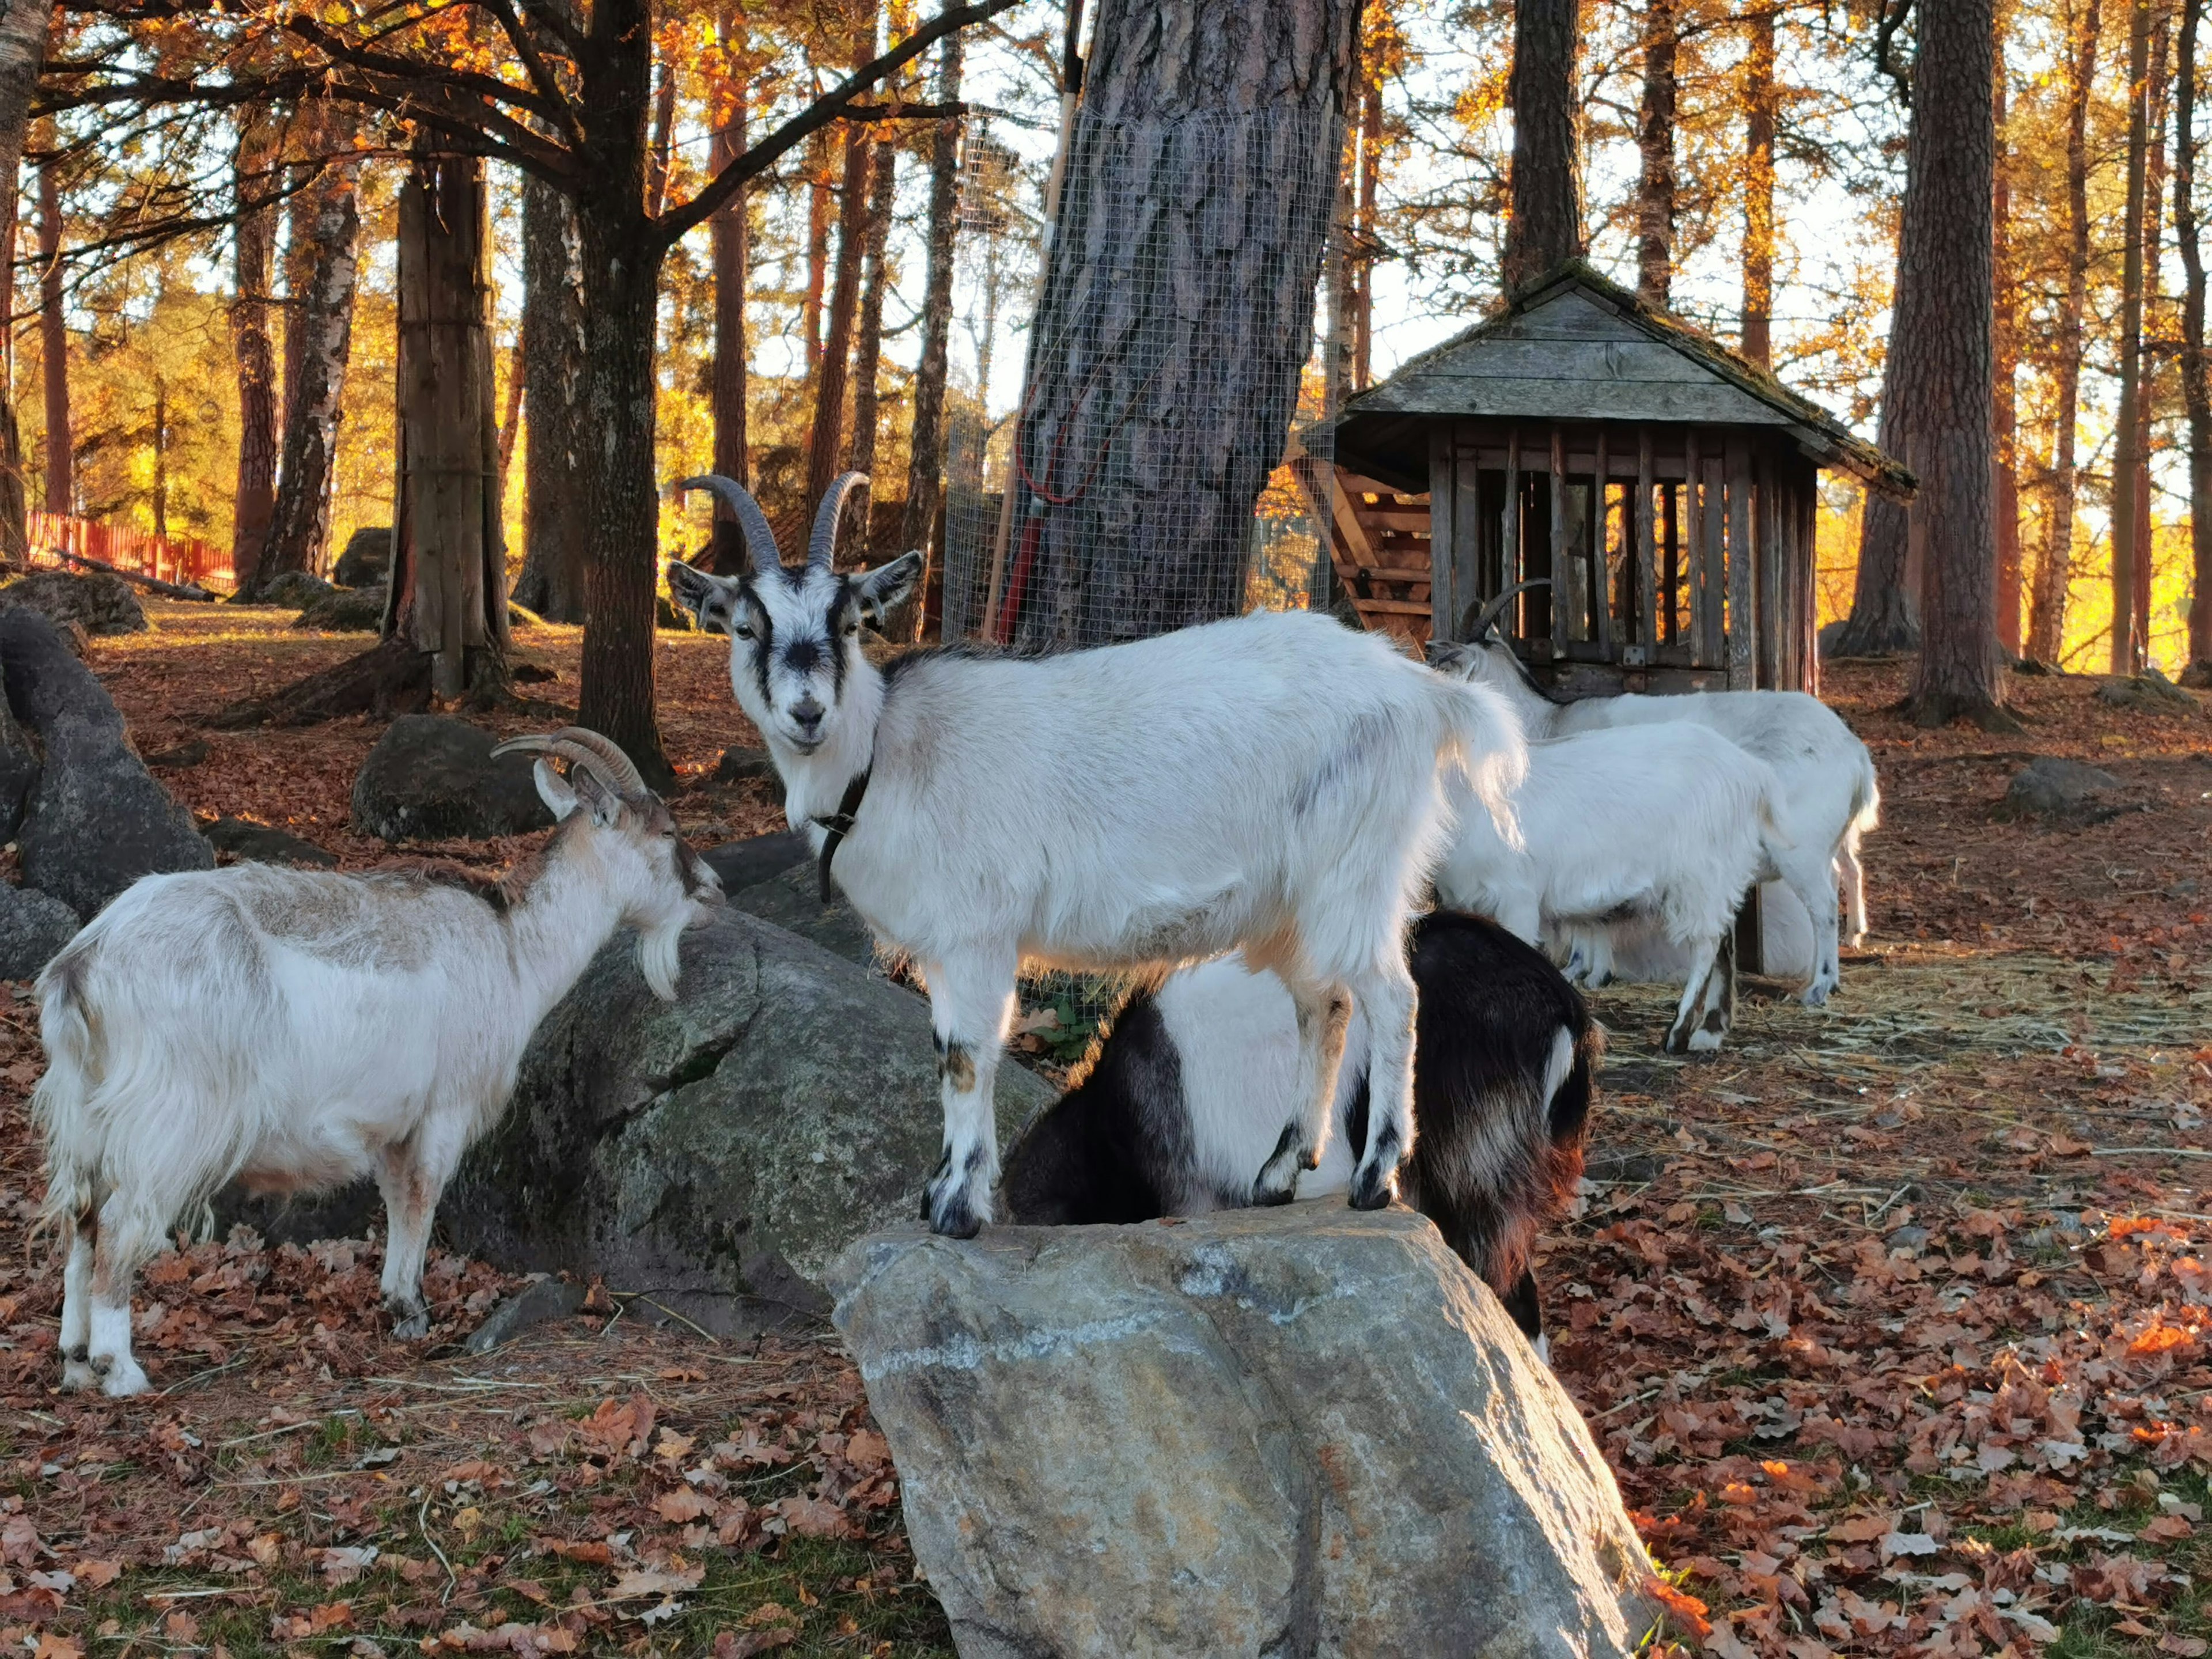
(821, 546)
(760, 540)
(586, 747)
(1479, 623)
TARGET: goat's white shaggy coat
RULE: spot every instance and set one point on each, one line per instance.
(1670, 824)
(297, 1029)
(1270, 782)
(1827, 776)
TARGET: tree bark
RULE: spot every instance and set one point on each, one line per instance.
(1655, 138)
(817, 249)
(2007, 401)
(23, 52)
(1544, 221)
(553, 523)
(728, 229)
(2161, 88)
(2126, 658)
(663, 135)
(1366, 229)
(1947, 298)
(868, 327)
(1176, 312)
(825, 444)
(53, 338)
(1760, 108)
(926, 454)
(448, 567)
(254, 247)
(1884, 618)
(2046, 629)
(326, 233)
(2195, 387)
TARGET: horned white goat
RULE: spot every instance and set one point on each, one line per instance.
(297, 1029)
(1272, 782)
(1668, 824)
(1827, 773)
(1180, 1103)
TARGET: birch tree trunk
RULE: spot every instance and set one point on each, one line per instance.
(254, 247)
(552, 579)
(2126, 657)
(1543, 221)
(1655, 138)
(53, 340)
(325, 232)
(2046, 629)
(2196, 388)
(925, 473)
(2007, 400)
(1946, 301)
(2161, 87)
(728, 229)
(23, 52)
(1176, 312)
(1760, 111)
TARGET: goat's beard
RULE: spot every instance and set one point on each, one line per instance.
(658, 953)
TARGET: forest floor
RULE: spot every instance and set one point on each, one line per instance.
(1893, 1319)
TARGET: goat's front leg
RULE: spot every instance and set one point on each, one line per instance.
(1323, 1013)
(1708, 1005)
(971, 1001)
(1386, 992)
(411, 1174)
(123, 1236)
(77, 1302)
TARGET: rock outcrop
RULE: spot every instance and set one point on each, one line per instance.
(430, 778)
(95, 601)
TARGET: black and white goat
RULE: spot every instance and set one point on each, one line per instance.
(1272, 782)
(1827, 776)
(297, 1029)
(1182, 1098)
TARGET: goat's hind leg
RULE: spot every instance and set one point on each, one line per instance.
(971, 1000)
(124, 1236)
(77, 1302)
(1708, 1005)
(1386, 992)
(1324, 1011)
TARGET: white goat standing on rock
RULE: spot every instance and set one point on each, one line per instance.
(1271, 782)
(297, 1029)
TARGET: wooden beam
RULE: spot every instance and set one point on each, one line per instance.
(1712, 560)
(1773, 612)
(1692, 576)
(1600, 552)
(1444, 621)
(1742, 572)
(1509, 560)
(1647, 615)
(1560, 585)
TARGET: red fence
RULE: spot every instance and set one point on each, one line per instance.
(167, 558)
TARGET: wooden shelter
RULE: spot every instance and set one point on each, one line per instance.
(1664, 485)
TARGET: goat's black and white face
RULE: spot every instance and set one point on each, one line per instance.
(794, 631)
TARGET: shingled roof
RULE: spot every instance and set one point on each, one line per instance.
(1573, 346)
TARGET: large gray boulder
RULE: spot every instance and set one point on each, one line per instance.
(34, 927)
(1296, 1431)
(95, 821)
(431, 778)
(95, 601)
(715, 1152)
(367, 558)
(792, 899)
(2052, 787)
(345, 610)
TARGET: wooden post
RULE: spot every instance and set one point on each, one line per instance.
(1600, 555)
(1693, 574)
(1509, 557)
(1808, 593)
(1712, 562)
(1468, 587)
(1647, 614)
(1560, 553)
(1773, 626)
(1742, 572)
(1445, 606)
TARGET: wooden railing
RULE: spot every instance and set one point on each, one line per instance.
(167, 558)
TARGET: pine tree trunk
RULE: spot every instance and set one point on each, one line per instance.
(817, 249)
(326, 231)
(1544, 223)
(2046, 629)
(1884, 618)
(1655, 138)
(868, 328)
(1947, 298)
(2126, 657)
(926, 454)
(728, 229)
(2161, 87)
(825, 443)
(2196, 388)
(1176, 312)
(1366, 229)
(553, 523)
(53, 338)
(254, 247)
(448, 567)
(22, 52)
(1760, 107)
(2007, 401)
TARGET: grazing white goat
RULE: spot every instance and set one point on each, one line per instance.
(1666, 824)
(1827, 776)
(297, 1029)
(1180, 1103)
(1271, 782)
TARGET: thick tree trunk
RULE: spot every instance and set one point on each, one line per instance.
(22, 52)
(728, 230)
(1760, 111)
(1176, 312)
(2007, 402)
(825, 444)
(1655, 138)
(53, 340)
(868, 327)
(554, 531)
(1543, 221)
(2127, 649)
(325, 233)
(926, 455)
(1946, 301)
(448, 566)
(254, 248)
(2046, 629)
(2195, 387)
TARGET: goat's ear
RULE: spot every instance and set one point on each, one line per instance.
(594, 797)
(712, 599)
(553, 789)
(885, 586)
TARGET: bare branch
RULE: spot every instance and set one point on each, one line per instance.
(1885, 41)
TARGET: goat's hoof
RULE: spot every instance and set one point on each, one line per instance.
(1705, 1040)
(951, 1211)
(414, 1328)
(1816, 995)
(122, 1377)
(77, 1376)
(1266, 1195)
(1675, 1042)
(1373, 1187)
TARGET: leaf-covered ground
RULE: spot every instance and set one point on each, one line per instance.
(1894, 1319)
